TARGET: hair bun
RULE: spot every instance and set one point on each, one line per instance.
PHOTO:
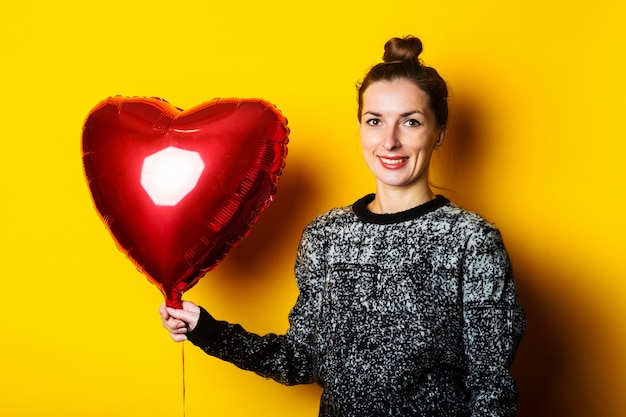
(408, 48)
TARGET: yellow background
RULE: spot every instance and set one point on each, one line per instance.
(537, 144)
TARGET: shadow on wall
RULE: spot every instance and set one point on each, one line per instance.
(455, 164)
(277, 232)
(547, 365)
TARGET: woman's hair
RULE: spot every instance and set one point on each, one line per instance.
(401, 61)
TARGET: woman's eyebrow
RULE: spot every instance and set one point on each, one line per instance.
(405, 114)
(412, 112)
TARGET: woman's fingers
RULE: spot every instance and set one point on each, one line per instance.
(179, 322)
(189, 316)
(178, 337)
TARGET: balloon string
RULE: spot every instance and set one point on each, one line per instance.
(183, 368)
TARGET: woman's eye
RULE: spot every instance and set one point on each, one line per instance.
(412, 123)
(373, 122)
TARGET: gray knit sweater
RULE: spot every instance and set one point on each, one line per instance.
(405, 314)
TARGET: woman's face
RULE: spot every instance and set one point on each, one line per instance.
(398, 133)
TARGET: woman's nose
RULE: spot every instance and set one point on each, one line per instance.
(390, 140)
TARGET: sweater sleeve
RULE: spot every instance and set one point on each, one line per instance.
(287, 358)
(494, 323)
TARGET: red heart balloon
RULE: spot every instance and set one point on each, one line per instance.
(179, 189)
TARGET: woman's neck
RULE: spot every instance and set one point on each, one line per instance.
(389, 201)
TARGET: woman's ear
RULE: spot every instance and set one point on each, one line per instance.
(440, 136)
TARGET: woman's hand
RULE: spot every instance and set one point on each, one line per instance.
(179, 322)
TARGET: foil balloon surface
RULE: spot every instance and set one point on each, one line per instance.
(178, 189)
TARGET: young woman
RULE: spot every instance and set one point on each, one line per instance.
(407, 305)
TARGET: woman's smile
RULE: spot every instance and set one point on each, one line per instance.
(393, 162)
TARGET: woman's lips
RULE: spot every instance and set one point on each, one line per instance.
(393, 162)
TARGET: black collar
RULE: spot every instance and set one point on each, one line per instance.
(363, 213)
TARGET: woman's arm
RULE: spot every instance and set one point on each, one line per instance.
(494, 324)
(286, 358)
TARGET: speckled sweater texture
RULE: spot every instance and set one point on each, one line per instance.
(405, 314)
